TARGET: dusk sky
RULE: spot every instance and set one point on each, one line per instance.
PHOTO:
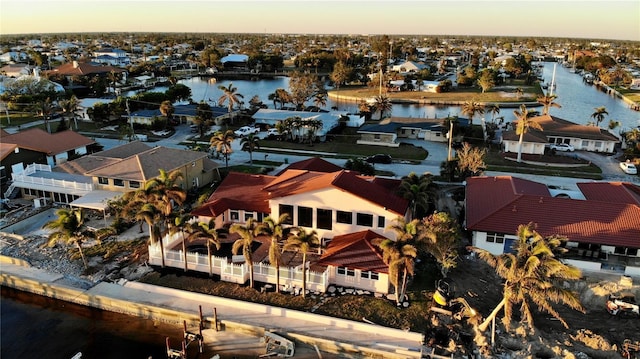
(594, 19)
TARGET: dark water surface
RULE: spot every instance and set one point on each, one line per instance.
(43, 328)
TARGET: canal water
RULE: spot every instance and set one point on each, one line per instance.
(578, 99)
(39, 327)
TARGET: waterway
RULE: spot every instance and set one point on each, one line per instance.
(578, 99)
(40, 327)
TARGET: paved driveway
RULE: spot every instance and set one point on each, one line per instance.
(609, 165)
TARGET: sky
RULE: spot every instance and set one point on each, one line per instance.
(588, 19)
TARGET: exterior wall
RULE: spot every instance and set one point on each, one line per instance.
(332, 199)
(24, 156)
(112, 187)
(479, 239)
(142, 120)
(382, 139)
(409, 132)
(434, 136)
(527, 147)
(378, 286)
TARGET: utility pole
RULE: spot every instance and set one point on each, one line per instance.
(133, 132)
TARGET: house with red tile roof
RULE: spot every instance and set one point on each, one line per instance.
(603, 229)
(557, 130)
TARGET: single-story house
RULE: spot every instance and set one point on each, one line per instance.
(235, 61)
(181, 113)
(557, 130)
(602, 227)
(329, 120)
(409, 66)
(388, 131)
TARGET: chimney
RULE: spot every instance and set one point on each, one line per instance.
(75, 64)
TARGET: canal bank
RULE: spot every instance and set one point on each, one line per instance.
(332, 335)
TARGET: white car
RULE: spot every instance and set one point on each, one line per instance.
(246, 131)
(629, 168)
(564, 147)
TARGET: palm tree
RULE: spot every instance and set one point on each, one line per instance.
(70, 109)
(418, 190)
(230, 96)
(181, 221)
(302, 241)
(547, 101)
(598, 115)
(167, 109)
(221, 142)
(493, 109)
(275, 230)
(69, 228)
(114, 78)
(365, 110)
(207, 232)
(249, 144)
(320, 99)
(471, 108)
(439, 235)
(45, 108)
(382, 104)
(523, 124)
(531, 274)
(247, 232)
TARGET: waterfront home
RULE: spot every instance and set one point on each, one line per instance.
(601, 221)
(182, 114)
(555, 131)
(388, 131)
(329, 120)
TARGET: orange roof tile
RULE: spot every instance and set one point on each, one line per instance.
(315, 164)
(355, 250)
(621, 192)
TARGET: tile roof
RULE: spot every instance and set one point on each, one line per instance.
(237, 191)
(554, 126)
(355, 250)
(6, 149)
(620, 192)
(50, 143)
(501, 204)
(146, 165)
(83, 68)
(315, 164)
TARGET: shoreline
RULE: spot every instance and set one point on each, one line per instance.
(175, 306)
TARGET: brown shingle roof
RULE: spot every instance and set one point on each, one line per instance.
(554, 126)
(83, 68)
(50, 143)
(501, 204)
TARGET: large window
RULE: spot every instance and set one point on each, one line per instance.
(134, 184)
(493, 237)
(369, 275)
(118, 182)
(103, 180)
(305, 216)
(323, 218)
(365, 220)
(234, 215)
(381, 222)
(344, 217)
(346, 271)
(285, 208)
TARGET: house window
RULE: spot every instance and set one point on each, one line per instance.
(369, 275)
(323, 218)
(585, 144)
(285, 208)
(493, 237)
(344, 217)
(234, 215)
(381, 221)
(134, 184)
(365, 220)
(305, 216)
(598, 144)
(346, 271)
(103, 180)
(118, 182)
(248, 215)
(376, 137)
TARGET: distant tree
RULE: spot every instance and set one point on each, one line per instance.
(548, 101)
(599, 114)
(70, 108)
(340, 74)
(360, 165)
(493, 109)
(302, 86)
(472, 108)
(249, 144)
(221, 142)
(167, 110)
(382, 104)
(365, 110)
(45, 108)
(440, 236)
(231, 97)
(487, 80)
(523, 124)
(471, 160)
(204, 114)
(178, 92)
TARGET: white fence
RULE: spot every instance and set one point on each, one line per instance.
(290, 277)
(24, 177)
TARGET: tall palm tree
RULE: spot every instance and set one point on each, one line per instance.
(599, 114)
(276, 231)
(181, 222)
(221, 142)
(44, 108)
(382, 104)
(247, 231)
(231, 97)
(114, 78)
(207, 232)
(548, 101)
(320, 99)
(69, 228)
(302, 241)
(531, 275)
(493, 109)
(249, 144)
(472, 108)
(418, 190)
(523, 124)
(70, 109)
(365, 110)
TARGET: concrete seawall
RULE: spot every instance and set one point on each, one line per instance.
(175, 306)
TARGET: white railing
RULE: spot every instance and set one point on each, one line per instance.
(237, 272)
(24, 177)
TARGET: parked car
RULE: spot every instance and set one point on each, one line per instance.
(272, 133)
(629, 168)
(379, 158)
(564, 147)
(246, 131)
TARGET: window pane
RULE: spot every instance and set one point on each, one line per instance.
(118, 182)
(324, 218)
(285, 208)
(305, 216)
(381, 221)
(344, 217)
(365, 220)
(134, 184)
